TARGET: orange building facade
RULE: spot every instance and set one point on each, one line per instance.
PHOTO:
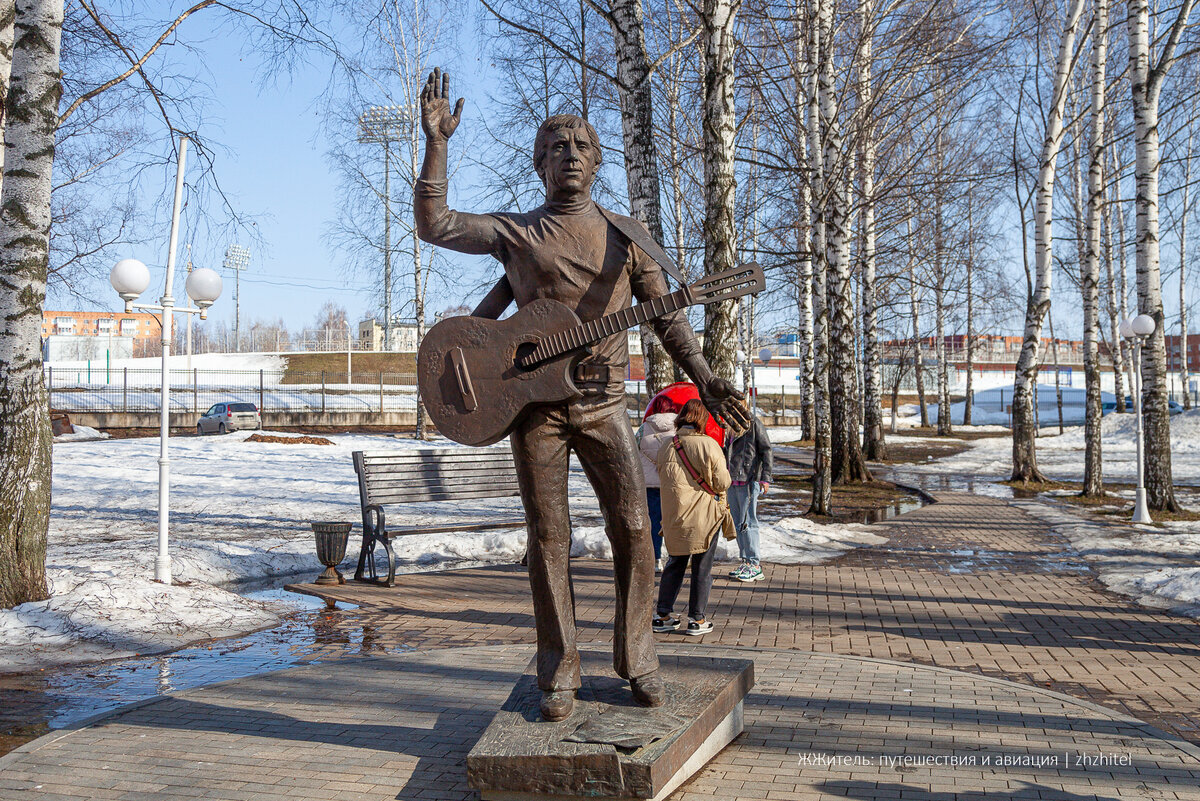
(143, 329)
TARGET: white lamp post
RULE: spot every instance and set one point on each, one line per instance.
(349, 347)
(1137, 329)
(130, 278)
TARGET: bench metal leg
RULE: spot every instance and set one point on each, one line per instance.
(375, 532)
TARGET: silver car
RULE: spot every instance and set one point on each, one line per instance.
(225, 417)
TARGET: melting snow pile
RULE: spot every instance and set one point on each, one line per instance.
(1158, 568)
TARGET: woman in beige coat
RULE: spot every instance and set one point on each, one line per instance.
(691, 516)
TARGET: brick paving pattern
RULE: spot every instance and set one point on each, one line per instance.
(399, 727)
(846, 704)
(970, 583)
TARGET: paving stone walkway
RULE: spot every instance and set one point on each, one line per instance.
(816, 727)
(853, 697)
(970, 583)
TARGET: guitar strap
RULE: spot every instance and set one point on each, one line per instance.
(636, 233)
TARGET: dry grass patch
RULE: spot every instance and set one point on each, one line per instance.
(272, 438)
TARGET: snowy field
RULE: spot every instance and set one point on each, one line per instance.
(241, 510)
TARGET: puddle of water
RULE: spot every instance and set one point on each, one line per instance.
(934, 482)
(892, 511)
(31, 704)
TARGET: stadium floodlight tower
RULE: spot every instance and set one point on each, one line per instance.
(384, 125)
(130, 278)
(236, 259)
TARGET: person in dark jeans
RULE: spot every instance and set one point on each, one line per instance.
(692, 476)
(750, 465)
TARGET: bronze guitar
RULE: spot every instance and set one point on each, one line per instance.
(477, 375)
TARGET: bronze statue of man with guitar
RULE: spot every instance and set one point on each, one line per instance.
(551, 376)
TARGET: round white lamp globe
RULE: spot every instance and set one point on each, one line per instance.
(740, 356)
(130, 278)
(1143, 325)
(1126, 328)
(203, 287)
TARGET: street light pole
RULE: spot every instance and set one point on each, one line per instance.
(349, 345)
(130, 278)
(1136, 329)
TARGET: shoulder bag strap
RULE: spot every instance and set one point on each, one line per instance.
(691, 470)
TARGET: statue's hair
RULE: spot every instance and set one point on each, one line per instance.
(556, 123)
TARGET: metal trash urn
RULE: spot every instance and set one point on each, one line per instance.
(331, 549)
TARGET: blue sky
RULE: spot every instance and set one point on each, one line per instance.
(272, 165)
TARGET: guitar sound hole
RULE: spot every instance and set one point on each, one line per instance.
(523, 350)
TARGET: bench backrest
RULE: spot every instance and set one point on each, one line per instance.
(447, 474)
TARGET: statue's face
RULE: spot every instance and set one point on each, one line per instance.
(570, 162)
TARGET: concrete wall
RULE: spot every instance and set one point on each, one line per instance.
(273, 420)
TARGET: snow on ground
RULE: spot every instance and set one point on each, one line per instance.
(241, 510)
(1156, 567)
(81, 434)
(1061, 456)
(200, 361)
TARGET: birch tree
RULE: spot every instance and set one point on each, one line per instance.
(30, 117)
(820, 26)
(848, 464)
(720, 181)
(1024, 419)
(1184, 212)
(873, 446)
(1146, 75)
(625, 18)
(1090, 267)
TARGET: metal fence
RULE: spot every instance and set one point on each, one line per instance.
(83, 389)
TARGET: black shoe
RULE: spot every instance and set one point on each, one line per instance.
(557, 705)
(698, 627)
(648, 690)
(662, 624)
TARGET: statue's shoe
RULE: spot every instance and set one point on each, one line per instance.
(557, 705)
(649, 690)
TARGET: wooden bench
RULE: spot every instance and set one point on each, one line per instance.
(451, 474)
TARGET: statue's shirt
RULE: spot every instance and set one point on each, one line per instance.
(570, 254)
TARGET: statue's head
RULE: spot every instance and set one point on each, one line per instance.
(566, 154)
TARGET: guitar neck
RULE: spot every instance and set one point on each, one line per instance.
(590, 333)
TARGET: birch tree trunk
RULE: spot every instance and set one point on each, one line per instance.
(641, 153)
(918, 355)
(970, 393)
(7, 16)
(1183, 325)
(25, 440)
(1146, 84)
(804, 225)
(720, 182)
(1116, 310)
(874, 446)
(847, 460)
(820, 23)
(1024, 421)
(1093, 485)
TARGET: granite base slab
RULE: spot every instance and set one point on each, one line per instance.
(628, 751)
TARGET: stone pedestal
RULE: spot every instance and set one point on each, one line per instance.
(611, 747)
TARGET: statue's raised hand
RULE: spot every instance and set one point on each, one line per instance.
(436, 119)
